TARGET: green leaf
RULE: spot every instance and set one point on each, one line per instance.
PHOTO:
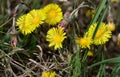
(116, 71)
(100, 20)
(98, 11)
(112, 60)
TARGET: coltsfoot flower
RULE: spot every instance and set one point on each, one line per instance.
(84, 42)
(48, 74)
(90, 53)
(53, 14)
(114, 0)
(55, 36)
(27, 23)
(102, 35)
(36, 17)
(111, 26)
(90, 13)
(24, 25)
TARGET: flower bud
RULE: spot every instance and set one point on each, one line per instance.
(118, 39)
(111, 26)
(13, 40)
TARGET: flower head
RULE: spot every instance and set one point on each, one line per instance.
(24, 25)
(111, 26)
(90, 13)
(84, 42)
(90, 53)
(114, 1)
(36, 17)
(48, 74)
(53, 14)
(56, 36)
(102, 35)
(27, 23)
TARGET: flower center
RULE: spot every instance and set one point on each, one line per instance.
(52, 14)
(57, 38)
(24, 26)
(36, 20)
(83, 41)
(99, 33)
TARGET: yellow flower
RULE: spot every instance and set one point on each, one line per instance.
(56, 36)
(53, 14)
(102, 35)
(29, 22)
(90, 53)
(36, 17)
(48, 74)
(90, 13)
(24, 26)
(114, 0)
(111, 26)
(84, 42)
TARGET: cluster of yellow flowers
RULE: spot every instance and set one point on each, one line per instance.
(101, 37)
(50, 14)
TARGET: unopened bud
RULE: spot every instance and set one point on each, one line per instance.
(118, 39)
(63, 24)
(13, 40)
(111, 26)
